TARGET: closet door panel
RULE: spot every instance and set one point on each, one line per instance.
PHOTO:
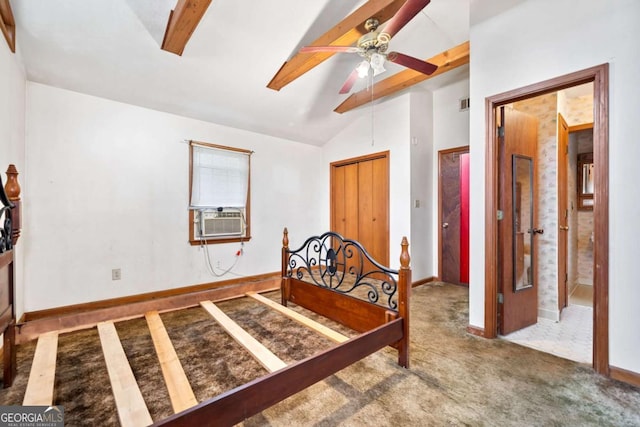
(344, 199)
(380, 210)
(373, 228)
(338, 219)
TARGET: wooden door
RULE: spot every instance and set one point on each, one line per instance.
(563, 212)
(517, 229)
(344, 198)
(360, 202)
(453, 264)
(373, 208)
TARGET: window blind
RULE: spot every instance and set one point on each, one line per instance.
(220, 178)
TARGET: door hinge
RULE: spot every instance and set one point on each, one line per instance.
(500, 298)
(500, 131)
(500, 215)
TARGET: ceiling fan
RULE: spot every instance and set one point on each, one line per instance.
(373, 46)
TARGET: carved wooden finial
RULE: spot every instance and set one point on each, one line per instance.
(12, 190)
(12, 187)
(404, 254)
(285, 238)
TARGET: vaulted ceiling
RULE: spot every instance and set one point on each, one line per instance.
(112, 49)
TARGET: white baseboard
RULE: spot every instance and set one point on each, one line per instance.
(549, 314)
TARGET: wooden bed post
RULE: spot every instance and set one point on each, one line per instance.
(284, 284)
(11, 198)
(404, 293)
(12, 188)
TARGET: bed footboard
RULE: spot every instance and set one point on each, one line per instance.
(337, 278)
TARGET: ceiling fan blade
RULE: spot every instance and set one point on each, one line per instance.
(333, 49)
(348, 84)
(406, 13)
(410, 62)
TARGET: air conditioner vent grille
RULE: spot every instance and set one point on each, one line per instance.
(221, 223)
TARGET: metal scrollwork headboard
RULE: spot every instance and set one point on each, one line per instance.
(343, 265)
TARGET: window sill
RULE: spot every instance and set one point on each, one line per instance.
(198, 242)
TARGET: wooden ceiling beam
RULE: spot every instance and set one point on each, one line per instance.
(345, 33)
(446, 61)
(8, 24)
(183, 21)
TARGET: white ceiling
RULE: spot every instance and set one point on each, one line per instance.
(111, 49)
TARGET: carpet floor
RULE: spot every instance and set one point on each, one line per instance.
(455, 378)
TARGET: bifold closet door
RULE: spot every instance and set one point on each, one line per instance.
(344, 194)
(373, 191)
(360, 203)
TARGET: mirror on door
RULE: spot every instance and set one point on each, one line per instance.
(585, 182)
(522, 222)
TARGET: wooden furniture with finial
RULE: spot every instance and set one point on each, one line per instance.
(336, 278)
(9, 234)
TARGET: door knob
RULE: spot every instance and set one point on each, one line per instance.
(445, 225)
(564, 227)
(536, 230)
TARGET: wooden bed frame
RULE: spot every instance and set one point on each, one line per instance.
(9, 234)
(334, 277)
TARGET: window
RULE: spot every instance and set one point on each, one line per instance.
(219, 184)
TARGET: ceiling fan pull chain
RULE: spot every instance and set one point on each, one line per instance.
(372, 123)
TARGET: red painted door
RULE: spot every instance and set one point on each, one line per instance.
(454, 215)
(464, 218)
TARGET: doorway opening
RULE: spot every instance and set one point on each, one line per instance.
(562, 256)
(599, 77)
(453, 215)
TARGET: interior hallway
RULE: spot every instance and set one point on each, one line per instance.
(571, 338)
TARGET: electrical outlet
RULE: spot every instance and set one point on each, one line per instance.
(116, 274)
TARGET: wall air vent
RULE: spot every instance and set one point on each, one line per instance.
(464, 104)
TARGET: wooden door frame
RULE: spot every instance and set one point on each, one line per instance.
(461, 149)
(599, 75)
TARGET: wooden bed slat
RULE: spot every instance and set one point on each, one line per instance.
(43, 371)
(270, 361)
(249, 399)
(312, 324)
(180, 391)
(132, 410)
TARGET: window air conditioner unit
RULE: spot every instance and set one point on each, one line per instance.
(225, 222)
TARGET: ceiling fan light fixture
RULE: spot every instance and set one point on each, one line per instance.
(377, 63)
(363, 69)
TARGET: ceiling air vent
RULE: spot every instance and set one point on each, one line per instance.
(464, 104)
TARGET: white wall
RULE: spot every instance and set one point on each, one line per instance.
(107, 187)
(12, 111)
(422, 177)
(450, 130)
(538, 40)
(391, 132)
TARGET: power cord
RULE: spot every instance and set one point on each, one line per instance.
(207, 256)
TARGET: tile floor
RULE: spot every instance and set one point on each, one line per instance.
(582, 295)
(571, 338)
